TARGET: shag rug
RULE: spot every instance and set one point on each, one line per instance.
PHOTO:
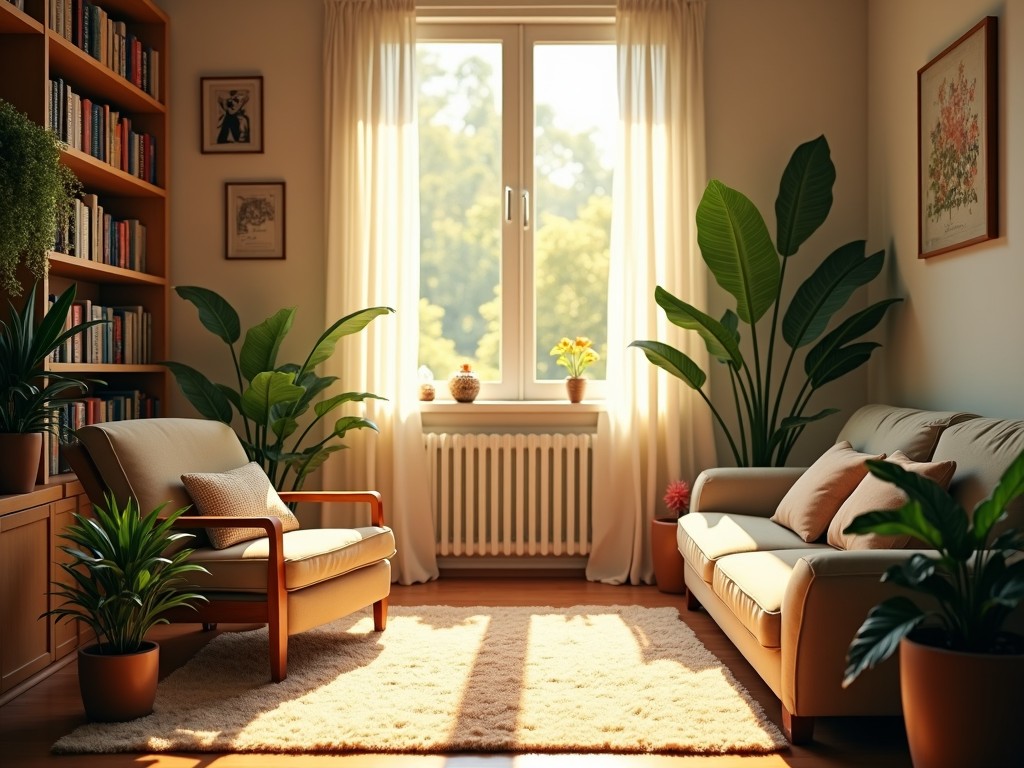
(442, 680)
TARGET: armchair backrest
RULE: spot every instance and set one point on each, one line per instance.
(145, 458)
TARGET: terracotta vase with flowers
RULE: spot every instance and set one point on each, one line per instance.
(668, 562)
(575, 356)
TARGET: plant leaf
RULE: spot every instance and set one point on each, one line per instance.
(206, 397)
(880, 634)
(908, 520)
(670, 359)
(268, 389)
(346, 326)
(735, 244)
(720, 341)
(805, 195)
(262, 342)
(838, 362)
(215, 313)
(992, 509)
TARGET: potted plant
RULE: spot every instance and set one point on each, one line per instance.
(575, 356)
(123, 577)
(31, 396)
(735, 244)
(668, 562)
(961, 671)
(37, 192)
(272, 399)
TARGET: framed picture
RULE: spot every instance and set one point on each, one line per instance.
(231, 114)
(957, 144)
(254, 225)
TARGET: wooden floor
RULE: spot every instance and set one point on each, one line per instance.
(32, 722)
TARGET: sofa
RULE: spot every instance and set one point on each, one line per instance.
(792, 605)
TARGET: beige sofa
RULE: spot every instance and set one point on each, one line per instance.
(792, 607)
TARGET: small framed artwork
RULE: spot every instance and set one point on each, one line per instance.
(254, 226)
(231, 114)
(957, 144)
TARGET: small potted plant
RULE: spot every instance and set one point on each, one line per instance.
(575, 355)
(123, 576)
(960, 669)
(30, 396)
(668, 562)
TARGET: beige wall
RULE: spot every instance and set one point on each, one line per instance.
(956, 342)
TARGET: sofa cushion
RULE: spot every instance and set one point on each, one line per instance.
(874, 493)
(752, 586)
(310, 556)
(704, 537)
(809, 506)
(884, 429)
(242, 492)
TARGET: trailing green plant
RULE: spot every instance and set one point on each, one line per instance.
(30, 396)
(37, 192)
(123, 578)
(738, 250)
(273, 399)
(971, 584)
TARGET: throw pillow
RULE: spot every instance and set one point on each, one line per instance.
(242, 492)
(874, 493)
(809, 506)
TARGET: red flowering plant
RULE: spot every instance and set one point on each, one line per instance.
(677, 497)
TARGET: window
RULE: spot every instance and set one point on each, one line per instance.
(517, 142)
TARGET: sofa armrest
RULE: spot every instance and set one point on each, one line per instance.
(828, 597)
(742, 490)
(352, 497)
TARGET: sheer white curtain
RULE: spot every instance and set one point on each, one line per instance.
(656, 429)
(372, 206)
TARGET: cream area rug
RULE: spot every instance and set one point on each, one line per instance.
(442, 679)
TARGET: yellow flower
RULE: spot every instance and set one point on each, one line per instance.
(575, 355)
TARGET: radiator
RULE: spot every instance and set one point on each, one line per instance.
(510, 494)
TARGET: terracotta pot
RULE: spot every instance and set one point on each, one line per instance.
(576, 386)
(668, 562)
(118, 687)
(20, 466)
(960, 708)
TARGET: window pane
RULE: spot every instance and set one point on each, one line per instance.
(460, 206)
(575, 123)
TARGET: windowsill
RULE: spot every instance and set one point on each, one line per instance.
(517, 415)
(512, 406)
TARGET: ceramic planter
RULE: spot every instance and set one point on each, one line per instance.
(118, 687)
(575, 387)
(960, 709)
(20, 466)
(668, 562)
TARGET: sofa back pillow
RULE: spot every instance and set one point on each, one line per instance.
(873, 493)
(809, 506)
(880, 428)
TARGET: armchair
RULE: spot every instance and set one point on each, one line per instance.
(290, 581)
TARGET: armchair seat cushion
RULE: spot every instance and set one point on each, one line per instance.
(705, 537)
(310, 556)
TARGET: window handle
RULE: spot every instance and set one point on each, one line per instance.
(508, 204)
(526, 209)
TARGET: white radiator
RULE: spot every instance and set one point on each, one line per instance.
(510, 494)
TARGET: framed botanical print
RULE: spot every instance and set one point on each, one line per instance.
(957, 144)
(254, 222)
(231, 114)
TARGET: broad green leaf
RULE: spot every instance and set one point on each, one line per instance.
(283, 427)
(670, 359)
(266, 390)
(796, 422)
(206, 397)
(1009, 487)
(735, 244)
(326, 406)
(262, 342)
(827, 290)
(838, 362)
(880, 634)
(216, 315)
(805, 195)
(720, 341)
(909, 520)
(306, 464)
(324, 347)
(345, 423)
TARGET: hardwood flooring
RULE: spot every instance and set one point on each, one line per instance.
(32, 722)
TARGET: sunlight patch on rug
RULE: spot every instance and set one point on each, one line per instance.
(620, 679)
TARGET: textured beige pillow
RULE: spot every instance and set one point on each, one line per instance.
(242, 492)
(874, 493)
(809, 506)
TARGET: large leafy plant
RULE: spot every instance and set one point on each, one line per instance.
(971, 584)
(273, 400)
(30, 396)
(36, 192)
(120, 578)
(738, 250)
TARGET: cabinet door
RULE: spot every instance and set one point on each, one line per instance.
(65, 632)
(25, 647)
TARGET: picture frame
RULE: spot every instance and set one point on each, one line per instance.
(254, 223)
(231, 114)
(957, 192)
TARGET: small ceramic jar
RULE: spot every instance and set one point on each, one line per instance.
(464, 384)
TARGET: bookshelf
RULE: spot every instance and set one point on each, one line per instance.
(120, 154)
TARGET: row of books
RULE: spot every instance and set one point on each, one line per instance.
(100, 131)
(99, 407)
(92, 234)
(125, 338)
(107, 40)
